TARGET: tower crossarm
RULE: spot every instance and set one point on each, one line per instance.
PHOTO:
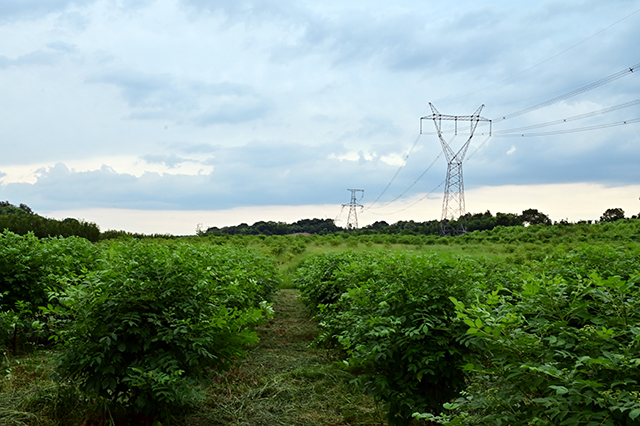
(437, 118)
(473, 119)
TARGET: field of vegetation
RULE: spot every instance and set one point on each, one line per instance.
(514, 325)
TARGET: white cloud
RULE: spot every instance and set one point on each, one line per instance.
(29, 173)
(349, 156)
(393, 160)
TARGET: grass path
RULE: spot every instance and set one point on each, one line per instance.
(285, 382)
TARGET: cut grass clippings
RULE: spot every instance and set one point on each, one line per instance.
(284, 381)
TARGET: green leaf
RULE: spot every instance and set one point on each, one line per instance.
(560, 390)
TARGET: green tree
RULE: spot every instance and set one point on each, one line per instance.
(611, 215)
(534, 217)
(8, 208)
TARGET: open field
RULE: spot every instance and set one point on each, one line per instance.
(307, 321)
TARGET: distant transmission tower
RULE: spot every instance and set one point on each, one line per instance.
(352, 219)
(453, 203)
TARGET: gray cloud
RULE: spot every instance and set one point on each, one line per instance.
(288, 174)
(190, 148)
(170, 161)
(161, 96)
(62, 47)
(53, 53)
(401, 40)
(38, 58)
(257, 174)
(265, 10)
(33, 9)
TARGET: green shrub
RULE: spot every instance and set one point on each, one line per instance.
(391, 314)
(30, 271)
(30, 266)
(318, 277)
(154, 322)
(564, 350)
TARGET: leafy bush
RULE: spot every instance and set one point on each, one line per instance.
(156, 320)
(392, 316)
(318, 280)
(564, 350)
(21, 270)
(241, 277)
(31, 269)
(606, 261)
(29, 266)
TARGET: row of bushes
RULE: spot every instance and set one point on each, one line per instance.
(486, 342)
(627, 230)
(138, 325)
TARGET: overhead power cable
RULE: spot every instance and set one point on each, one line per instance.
(566, 120)
(479, 146)
(404, 161)
(410, 186)
(572, 93)
(579, 129)
(548, 59)
(411, 205)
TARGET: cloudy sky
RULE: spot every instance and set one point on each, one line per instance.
(159, 115)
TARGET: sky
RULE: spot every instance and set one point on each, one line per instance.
(162, 116)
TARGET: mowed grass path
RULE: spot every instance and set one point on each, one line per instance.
(284, 381)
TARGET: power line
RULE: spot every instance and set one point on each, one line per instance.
(548, 59)
(505, 133)
(566, 120)
(572, 93)
(413, 204)
(404, 162)
(453, 205)
(410, 186)
(579, 129)
(479, 146)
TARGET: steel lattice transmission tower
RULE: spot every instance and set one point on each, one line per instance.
(352, 219)
(453, 203)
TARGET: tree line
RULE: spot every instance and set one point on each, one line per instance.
(473, 222)
(304, 226)
(22, 220)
